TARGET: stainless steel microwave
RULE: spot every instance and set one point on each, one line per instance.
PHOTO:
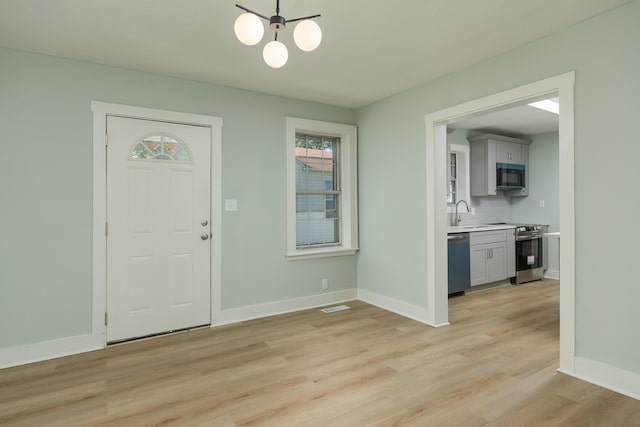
(509, 176)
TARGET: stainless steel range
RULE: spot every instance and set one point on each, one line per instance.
(531, 252)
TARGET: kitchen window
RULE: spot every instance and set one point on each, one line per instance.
(453, 179)
(458, 171)
(321, 189)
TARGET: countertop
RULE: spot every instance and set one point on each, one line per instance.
(478, 227)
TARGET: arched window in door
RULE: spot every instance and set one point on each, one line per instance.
(160, 147)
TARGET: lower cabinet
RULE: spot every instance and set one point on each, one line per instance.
(489, 256)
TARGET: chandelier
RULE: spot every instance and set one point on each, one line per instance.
(249, 29)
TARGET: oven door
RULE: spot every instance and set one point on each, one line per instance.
(529, 254)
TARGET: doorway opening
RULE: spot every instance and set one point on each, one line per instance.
(436, 136)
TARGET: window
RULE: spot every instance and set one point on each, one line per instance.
(321, 189)
(160, 147)
(453, 179)
(458, 184)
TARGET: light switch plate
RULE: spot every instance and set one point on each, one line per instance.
(230, 205)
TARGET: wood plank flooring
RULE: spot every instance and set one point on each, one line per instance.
(494, 366)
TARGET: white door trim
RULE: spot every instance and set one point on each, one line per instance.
(99, 283)
(437, 305)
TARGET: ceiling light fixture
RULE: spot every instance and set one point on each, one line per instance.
(249, 30)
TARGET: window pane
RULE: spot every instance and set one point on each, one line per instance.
(314, 229)
(317, 221)
(310, 203)
(453, 176)
(140, 152)
(161, 147)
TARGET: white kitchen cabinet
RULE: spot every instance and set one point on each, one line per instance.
(489, 149)
(508, 152)
(489, 256)
(525, 161)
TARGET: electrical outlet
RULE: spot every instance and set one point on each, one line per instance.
(541, 203)
(325, 283)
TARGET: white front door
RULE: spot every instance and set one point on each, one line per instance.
(158, 215)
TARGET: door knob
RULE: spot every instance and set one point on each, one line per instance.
(204, 236)
(204, 223)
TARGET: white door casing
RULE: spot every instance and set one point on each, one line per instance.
(158, 250)
(436, 128)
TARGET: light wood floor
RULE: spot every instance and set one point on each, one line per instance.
(495, 365)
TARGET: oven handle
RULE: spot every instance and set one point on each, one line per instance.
(529, 236)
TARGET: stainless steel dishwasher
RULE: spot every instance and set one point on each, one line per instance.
(459, 262)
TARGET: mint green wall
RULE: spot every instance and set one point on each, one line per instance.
(46, 169)
(544, 178)
(46, 190)
(604, 53)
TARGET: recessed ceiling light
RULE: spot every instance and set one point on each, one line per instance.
(547, 105)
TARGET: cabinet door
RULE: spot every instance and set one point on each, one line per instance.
(508, 152)
(497, 262)
(483, 168)
(478, 264)
(525, 161)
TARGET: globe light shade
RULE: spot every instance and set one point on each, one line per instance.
(307, 35)
(275, 54)
(249, 29)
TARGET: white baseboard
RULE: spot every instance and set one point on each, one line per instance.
(29, 353)
(396, 306)
(552, 274)
(257, 311)
(607, 376)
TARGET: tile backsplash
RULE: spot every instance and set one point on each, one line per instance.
(487, 210)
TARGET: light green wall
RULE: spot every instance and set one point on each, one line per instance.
(46, 191)
(604, 53)
(544, 181)
(46, 169)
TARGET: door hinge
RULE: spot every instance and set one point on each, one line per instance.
(106, 228)
(106, 138)
(106, 318)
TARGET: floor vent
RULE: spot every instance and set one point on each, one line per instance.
(336, 308)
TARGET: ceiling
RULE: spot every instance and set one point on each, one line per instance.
(370, 49)
(522, 120)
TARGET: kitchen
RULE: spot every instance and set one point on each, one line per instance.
(503, 199)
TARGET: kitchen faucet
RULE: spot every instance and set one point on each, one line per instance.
(456, 219)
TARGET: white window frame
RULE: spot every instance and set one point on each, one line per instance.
(463, 172)
(348, 208)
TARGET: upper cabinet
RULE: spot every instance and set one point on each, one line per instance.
(509, 152)
(487, 152)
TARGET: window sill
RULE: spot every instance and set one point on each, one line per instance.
(320, 253)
